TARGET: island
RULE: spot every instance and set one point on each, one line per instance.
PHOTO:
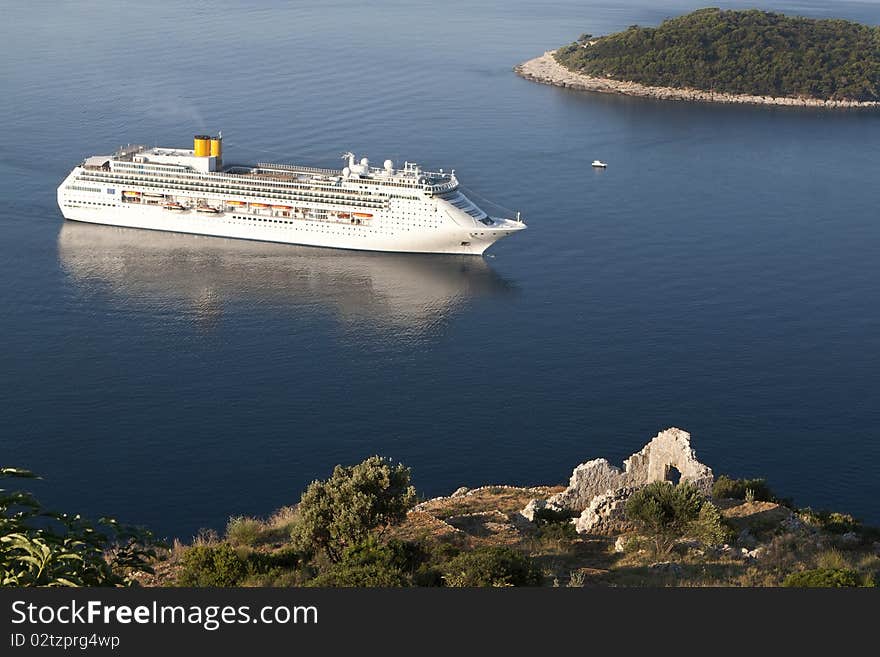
(726, 56)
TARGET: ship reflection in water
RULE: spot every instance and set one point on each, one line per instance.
(205, 274)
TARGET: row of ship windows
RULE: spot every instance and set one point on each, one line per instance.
(231, 183)
(277, 221)
(75, 203)
(307, 226)
(214, 189)
(78, 188)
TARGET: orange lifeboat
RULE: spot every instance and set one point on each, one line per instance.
(127, 193)
(362, 215)
(236, 203)
(281, 207)
(259, 205)
(343, 215)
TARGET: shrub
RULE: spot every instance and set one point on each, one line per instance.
(741, 489)
(369, 564)
(664, 512)
(823, 578)
(710, 528)
(559, 532)
(830, 521)
(342, 511)
(548, 516)
(39, 547)
(491, 566)
(211, 566)
(243, 531)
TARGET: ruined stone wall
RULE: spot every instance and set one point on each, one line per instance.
(668, 451)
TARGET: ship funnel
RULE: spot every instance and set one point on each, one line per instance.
(201, 145)
(217, 147)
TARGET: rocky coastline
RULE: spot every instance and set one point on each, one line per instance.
(579, 534)
(546, 70)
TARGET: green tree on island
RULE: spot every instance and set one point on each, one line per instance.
(741, 52)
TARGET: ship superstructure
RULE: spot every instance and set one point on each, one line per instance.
(358, 207)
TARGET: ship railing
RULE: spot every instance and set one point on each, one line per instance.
(293, 167)
(442, 189)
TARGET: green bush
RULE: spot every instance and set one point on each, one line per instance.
(823, 578)
(557, 531)
(551, 516)
(710, 527)
(341, 512)
(664, 512)
(39, 547)
(831, 521)
(241, 530)
(370, 564)
(211, 566)
(491, 566)
(738, 489)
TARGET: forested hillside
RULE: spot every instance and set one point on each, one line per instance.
(748, 52)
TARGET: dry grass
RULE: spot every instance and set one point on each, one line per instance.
(490, 517)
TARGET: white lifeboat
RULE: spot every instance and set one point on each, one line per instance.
(598, 164)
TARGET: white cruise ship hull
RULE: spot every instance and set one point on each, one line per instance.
(306, 233)
(361, 208)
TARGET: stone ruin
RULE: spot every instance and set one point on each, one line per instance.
(598, 490)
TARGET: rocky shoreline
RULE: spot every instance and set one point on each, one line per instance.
(546, 70)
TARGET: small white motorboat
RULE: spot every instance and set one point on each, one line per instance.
(599, 164)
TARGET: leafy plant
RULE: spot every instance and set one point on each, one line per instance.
(491, 566)
(39, 547)
(823, 578)
(211, 566)
(243, 531)
(710, 527)
(664, 511)
(749, 490)
(831, 521)
(343, 511)
(371, 564)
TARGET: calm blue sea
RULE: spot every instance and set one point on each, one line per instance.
(721, 275)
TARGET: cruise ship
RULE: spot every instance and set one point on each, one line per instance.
(358, 207)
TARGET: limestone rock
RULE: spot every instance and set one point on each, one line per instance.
(546, 70)
(667, 452)
(620, 544)
(757, 553)
(669, 567)
(606, 514)
(460, 492)
(529, 511)
(534, 508)
(587, 481)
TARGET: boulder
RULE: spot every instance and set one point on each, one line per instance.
(587, 481)
(535, 507)
(606, 514)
